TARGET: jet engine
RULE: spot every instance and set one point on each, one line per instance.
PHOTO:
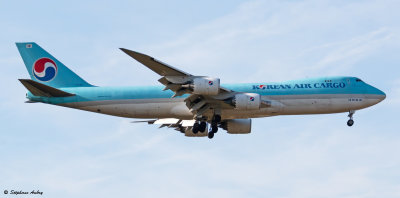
(189, 133)
(237, 126)
(247, 101)
(206, 86)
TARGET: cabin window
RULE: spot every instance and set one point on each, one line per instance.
(355, 99)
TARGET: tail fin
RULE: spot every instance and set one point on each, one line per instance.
(46, 69)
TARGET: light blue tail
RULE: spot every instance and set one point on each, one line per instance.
(46, 69)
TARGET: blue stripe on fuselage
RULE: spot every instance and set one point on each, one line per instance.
(328, 85)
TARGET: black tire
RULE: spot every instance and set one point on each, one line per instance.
(214, 128)
(350, 123)
(210, 135)
(217, 118)
(202, 127)
(195, 128)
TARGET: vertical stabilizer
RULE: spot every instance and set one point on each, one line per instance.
(45, 69)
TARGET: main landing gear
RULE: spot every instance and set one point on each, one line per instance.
(350, 122)
(213, 130)
(214, 125)
(201, 126)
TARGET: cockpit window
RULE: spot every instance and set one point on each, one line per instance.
(358, 80)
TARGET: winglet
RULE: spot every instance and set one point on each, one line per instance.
(39, 89)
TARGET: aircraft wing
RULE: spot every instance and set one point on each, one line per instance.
(173, 78)
(205, 92)
(206, 96)
(157, 66)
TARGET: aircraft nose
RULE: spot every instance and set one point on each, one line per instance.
(381, 95)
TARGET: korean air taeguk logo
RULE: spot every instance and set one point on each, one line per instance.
(45, 69)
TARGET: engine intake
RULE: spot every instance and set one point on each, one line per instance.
(189, 133)
(206, 86)
(237, 126)
(247, 101)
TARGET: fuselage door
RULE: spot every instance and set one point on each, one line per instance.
(348, 81)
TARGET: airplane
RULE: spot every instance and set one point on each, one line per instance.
(196, 106)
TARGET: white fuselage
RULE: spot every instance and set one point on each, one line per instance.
(281, 105)
(311, 96)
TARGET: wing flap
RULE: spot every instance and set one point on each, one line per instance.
(183, 126)
(188, 123)
(166, 121)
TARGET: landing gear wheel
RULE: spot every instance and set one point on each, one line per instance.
(202, 127)
(210, 135)
(350, 123)
(214, 128)
(196, 127)
(217, 118)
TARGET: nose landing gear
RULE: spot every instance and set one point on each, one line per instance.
(350, 122)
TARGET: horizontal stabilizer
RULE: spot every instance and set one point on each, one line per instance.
(39, 89)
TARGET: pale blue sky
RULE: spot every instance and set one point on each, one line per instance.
(71, 153)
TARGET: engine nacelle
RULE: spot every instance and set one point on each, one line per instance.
(189, 133)
(247, 101)
(238, 126)
(206, 86)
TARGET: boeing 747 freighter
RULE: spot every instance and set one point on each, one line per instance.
(195, 105)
